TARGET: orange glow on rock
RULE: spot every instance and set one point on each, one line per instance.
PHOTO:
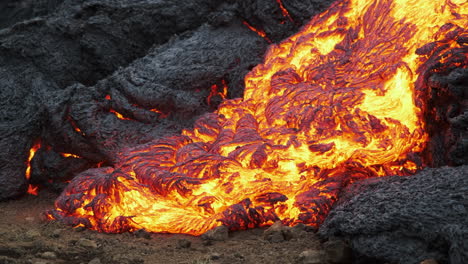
(330, 105)
(161, 114)
(32, 152)
(118, 115)
(69, 155)
(260, 32)
(284, 10)
(32, 189)
(74, 125)
(215, 90)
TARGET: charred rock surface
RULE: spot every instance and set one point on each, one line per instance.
(14, 11)
(448, 118)
(444, 80)
(83, 42)
(172, 80)
(278, 19)
(405, 219)
(65, 75)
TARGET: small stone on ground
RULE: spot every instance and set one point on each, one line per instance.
(183, 243)
(220, 233)
(86, 243)
(311, 257)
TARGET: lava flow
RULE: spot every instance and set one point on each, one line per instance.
(32, 189)
(341, 100)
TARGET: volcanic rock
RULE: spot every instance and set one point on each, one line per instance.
(95, 261)
(219, 233)
(83, 42)
(48, 255)
(238, 255)
(32, 234)
(13, 11)
(7, 260)
(311, 257)
(337, 251)
(56, 233)
(405, 219)
(87, 243)
(429, 261)
(215, 256)
(447, 123)
(207, 242)
(79, 229)
(277, 233)
(40, 262)
(11, 252)
(30, 219)
(142, 233)
(300, 231)
(183, 243)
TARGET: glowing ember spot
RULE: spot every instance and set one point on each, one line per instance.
(32, 152)
(69, 155)
(161, 114)
(261, 33)
(340, 101)
(216, 91)
(284, 10)
(118, 115)
(75, 126)
(223, 94)
(32, 189)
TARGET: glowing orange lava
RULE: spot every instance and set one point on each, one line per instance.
(69, 155)
(215, 90)
(32, 189)
(334, 103)
(119, 115)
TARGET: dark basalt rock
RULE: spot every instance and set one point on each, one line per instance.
(405, 219)
(82, 42)
(448, 118)
(219, 233)
(166, 79)
(14, 11)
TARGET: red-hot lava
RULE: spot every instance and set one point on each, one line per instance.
(32, 189)
(215, 91)
(339, 101)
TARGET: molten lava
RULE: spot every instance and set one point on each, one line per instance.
(32, 189)
(215, 91)
(339, 101)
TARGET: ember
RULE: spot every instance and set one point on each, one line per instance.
(32, 189)
(337, 102)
